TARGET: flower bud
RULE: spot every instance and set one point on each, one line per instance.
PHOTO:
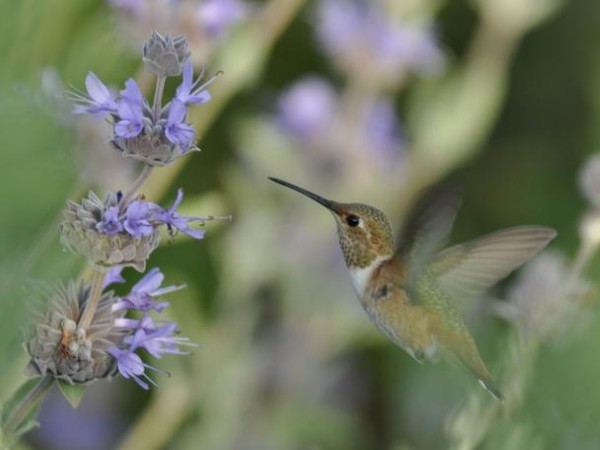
(58, 346)
(81, 233)
(151, 147)
(165, 56)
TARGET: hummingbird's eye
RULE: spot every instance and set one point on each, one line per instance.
(353, 220)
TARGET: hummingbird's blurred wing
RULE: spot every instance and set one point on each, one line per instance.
(470, 268)
(428, 226)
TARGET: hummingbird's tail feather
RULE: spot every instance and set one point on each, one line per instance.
(489, 386)
(467, 357)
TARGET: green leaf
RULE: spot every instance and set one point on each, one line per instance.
(27, 422)
(72, 392)
(17, 397)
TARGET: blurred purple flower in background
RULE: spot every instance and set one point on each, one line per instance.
(217, 16)
(135, 7)
(364, 38)
(96, 424)
(311, 111)
(307, 109)
(382, 131)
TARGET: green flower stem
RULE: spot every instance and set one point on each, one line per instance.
(19, 413)
(158, 94)
(146, 171)
(94, 297)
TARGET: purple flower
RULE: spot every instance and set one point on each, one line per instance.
(307, 108)
(132, 92)
(130, 113)
(131, 365)
(217, 16)
(141, 297)
(113, 275)
(110, 223)
(137, 221)
(177, 130)
(98, 98)
(131, 121)
(158, 340)
(189, 93)
(172, 219)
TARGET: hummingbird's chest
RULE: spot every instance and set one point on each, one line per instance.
(392, 307)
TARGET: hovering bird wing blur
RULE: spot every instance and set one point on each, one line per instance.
(428, 226)
(466, 270)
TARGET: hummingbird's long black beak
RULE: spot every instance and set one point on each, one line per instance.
(317, 198)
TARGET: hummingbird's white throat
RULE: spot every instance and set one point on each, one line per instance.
(362, 276)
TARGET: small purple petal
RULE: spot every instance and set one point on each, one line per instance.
(98, 99)
(158, 340)
(177, 131)
(137, 221)
(131, 121)
(188, 92)
(142, 295)
(110, 223)
(132, 93)
(149, 282)
(123, 322)
(99, 92)
(131, 365)
(113, 275)
(173, 220)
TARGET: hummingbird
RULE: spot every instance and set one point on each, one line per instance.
(409, 290)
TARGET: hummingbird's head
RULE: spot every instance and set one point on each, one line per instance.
(364, 231)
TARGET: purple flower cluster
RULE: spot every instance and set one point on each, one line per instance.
(153, 134)
(362, 37)
(156, 338)
(140, 218)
